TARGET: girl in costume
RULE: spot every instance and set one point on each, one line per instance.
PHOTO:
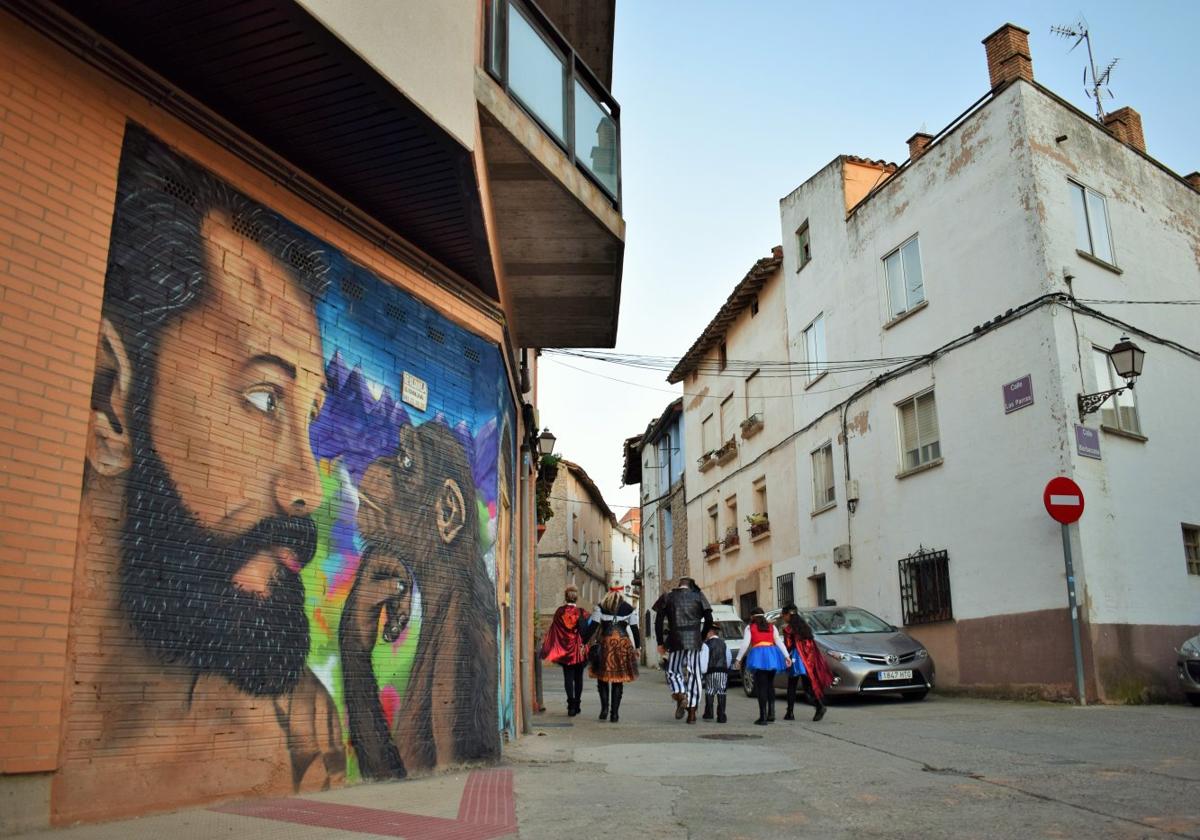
(617, 662)
(564, 646)
(764, 654)
(808, 664)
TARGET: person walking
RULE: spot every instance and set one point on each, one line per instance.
(715, 658)
(688, 615)
(564, 646)
(808, 665)
(617, 662)
(764, 654)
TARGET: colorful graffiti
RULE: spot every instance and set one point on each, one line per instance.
(310, 465)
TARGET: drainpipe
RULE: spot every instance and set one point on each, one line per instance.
(527, 531)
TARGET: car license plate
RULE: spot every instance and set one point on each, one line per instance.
(895, 675)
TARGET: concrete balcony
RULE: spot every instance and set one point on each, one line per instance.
(551, 142)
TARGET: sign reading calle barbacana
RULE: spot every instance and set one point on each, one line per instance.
(414, 391)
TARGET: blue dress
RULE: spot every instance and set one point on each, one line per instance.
(797, 669)
(765, 658)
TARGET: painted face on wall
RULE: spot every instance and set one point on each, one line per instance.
(224, 480)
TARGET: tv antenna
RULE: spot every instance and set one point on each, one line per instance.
(1100, 78)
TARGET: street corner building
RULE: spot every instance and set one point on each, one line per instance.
(273, 286)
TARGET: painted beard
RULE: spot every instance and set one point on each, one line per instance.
(177, 587)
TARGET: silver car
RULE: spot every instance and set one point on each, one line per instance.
(865, 654)
(1188, 661)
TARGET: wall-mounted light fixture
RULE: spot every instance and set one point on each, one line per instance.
(546, 442)
(1126, 360)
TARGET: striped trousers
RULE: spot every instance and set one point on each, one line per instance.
(716, 682)
(683, 674)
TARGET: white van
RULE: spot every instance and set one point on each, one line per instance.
(731, 627)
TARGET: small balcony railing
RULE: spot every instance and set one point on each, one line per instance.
(538, 68)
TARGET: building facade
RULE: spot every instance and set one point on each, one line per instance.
(270, 386)
(972, 294)
(577, 547)
(740, 502)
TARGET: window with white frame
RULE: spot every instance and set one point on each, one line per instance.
(1119, 411)
(919, 440)
(1191, 549)
(1092, 233)
(905, 281)
(822, 477)
(755, 404)
(803, 246)
(814, 348)
(708, 432)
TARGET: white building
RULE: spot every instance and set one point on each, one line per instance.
(624, 561)
(737, 426)
(1000, 250)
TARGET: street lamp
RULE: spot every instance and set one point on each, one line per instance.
(583, 557)
(1127, 360)
(546, 442)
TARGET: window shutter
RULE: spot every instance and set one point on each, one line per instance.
(927, 420)
(1098, 221)
(895, 283)
(1083, 239)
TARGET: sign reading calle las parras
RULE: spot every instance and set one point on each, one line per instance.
(1018, 394)
(414, 391)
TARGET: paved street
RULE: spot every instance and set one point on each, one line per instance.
(879, 768)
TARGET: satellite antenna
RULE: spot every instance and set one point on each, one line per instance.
(1099, 84)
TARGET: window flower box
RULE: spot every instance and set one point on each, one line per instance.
(752, 425)
(707, 461)
(726, 452)
(732, 540)
(712, 550)
(759, 524)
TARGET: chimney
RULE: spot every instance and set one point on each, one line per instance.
(918, 143)
(1193, 179)
(1126, 125)
(1008, 55)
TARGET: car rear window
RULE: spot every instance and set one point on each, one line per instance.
(730, 629)
(845, 621)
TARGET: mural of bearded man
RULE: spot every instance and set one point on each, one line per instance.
(197, 497)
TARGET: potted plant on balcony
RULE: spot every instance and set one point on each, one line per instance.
(726, 451)
(759, 524)
(751, 425)
(712, 549)
(731, 538)
(707, 460)
(547, 472)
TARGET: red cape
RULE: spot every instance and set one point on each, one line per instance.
(563, 644)
(816, 666)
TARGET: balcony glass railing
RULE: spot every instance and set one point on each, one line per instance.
(538, 68)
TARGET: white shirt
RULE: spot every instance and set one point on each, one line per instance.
(704, 658)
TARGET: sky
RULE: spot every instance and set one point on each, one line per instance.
(726, 107)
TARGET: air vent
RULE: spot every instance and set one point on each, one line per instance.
(352, 290)
(180, 192)
(436, 335)
(472, 354)
(395, 312)
(248, 228)
(307, 264)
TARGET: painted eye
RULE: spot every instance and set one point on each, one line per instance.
(400, 587)
(406, 461)
(264, 400)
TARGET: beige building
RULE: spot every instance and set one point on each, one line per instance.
(577, 547)
(742, 513)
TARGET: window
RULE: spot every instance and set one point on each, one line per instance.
(1191, 548)
(727, 421)
(754, 306)
(925, 587)
(784, 593)
(1091, 223)
(803, 247)
(722, 356)
(919, 443)
(714, 533)
(814, 349)
(755, 404)
(668, 544)
(731, 521)
(1120, 411)
(746, 604)
(822, 474)
(708, 430)
(760, 496)
(905, 283)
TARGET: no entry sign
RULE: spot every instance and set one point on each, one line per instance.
(1063, 500)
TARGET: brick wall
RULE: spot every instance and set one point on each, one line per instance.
(139, 706)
